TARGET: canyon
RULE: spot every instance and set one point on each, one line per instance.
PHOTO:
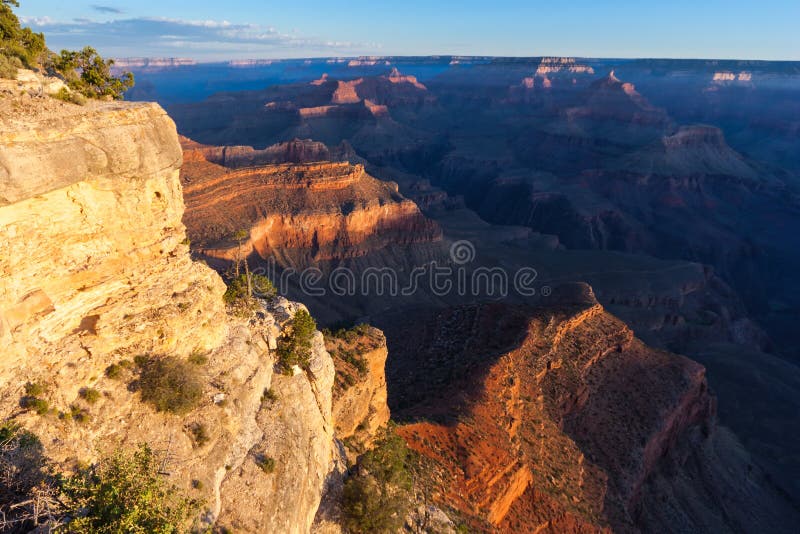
(633, 176)
(568, 409)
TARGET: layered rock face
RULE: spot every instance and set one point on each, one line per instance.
(556, 419)
(96, 271)
(320, 210)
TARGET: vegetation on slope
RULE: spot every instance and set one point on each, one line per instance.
(121, 493)
(170, 384)
(126, 493)
(377, 495)
(85, 72)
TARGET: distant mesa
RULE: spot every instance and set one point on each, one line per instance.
(554, 68)
(321, 80)
(553, 65)
(153, 62)
(724, 77)
(371, 95)
(368, 61)
(396, 77)
(250, 62)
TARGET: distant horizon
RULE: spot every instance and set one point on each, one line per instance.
(209, 31)
(460, 56)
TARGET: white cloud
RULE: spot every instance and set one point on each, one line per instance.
(201, 39)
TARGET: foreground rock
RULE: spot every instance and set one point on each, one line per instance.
(96, 272)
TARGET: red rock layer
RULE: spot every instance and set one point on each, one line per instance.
(325, 210)
(545, 420)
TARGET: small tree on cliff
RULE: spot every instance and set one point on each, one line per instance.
(88, 73)
(294, 347)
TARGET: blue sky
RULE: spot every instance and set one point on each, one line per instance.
(223, 29)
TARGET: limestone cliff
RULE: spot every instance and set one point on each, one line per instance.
(96, 271)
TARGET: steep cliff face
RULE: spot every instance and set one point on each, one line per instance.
(96, 271)
(323, 210)
(558, 419)
(359, 396)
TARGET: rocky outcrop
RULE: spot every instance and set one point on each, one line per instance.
(28, 81)
(359, 398)
(96, 271)
(325, 209)
(557, 418)
(345, 92)
(693, 150)
(396, 77)
(610, 99)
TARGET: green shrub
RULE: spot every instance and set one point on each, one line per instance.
(114, 371)
(9, 67)
(78, 414)
(72, 97)
(294, 347)
(90, 395)
(199, 434)
(266, 464)
(170, 384)
(377, 496)
(198, 358)
(269, 396)
(24, 476)
(34, 389)
(21, 46)
(84, 71)
(238, 291)
(32, 399)
(126, 493)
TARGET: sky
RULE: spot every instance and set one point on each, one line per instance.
(216, 30)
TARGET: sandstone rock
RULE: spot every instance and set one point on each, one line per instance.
(96, 271)
(32, 82)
